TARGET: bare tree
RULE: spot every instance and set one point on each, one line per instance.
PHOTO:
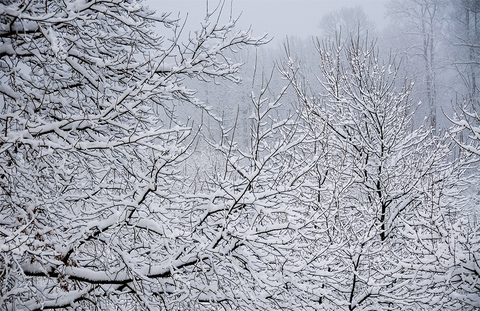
(419, 23)
(462, 240)
(91, 212)
(375, 180)
(347, 21)
(464, 35)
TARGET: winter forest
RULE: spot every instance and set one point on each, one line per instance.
(146, 166)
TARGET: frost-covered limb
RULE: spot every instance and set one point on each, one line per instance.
(466, 120)
(460, 241)
(374, 177)
(253, 199)
(93, 212)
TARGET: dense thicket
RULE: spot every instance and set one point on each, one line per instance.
(92, 216)
(113, 198)
(383, 197)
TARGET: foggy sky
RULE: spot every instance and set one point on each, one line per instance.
(278, 18)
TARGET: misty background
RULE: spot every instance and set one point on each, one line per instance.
(279, 19)
(428, 38)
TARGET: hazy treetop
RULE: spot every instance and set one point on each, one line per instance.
(347, 21)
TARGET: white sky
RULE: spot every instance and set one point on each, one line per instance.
(278, 18)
